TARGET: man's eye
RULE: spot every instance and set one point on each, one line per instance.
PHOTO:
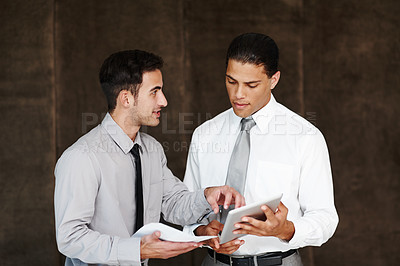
(231, 82)
(252, 86)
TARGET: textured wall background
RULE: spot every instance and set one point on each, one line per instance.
(340, 69)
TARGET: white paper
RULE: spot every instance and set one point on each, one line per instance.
(169, 233)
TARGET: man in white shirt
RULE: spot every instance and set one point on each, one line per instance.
(287, 154)
(115, 179)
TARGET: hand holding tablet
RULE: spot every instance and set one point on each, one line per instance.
(251, 210)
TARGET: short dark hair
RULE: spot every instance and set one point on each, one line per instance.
(255, 48)
(124, 71)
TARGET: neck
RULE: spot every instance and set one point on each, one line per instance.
(126, 123)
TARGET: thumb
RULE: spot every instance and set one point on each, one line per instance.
(156, 235)
(150, 238)
(216, 243)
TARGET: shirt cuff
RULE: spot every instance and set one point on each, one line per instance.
(201, 206)
(189, 229)
(203, 200)
(129, 251)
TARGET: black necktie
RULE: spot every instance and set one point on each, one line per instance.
(139, 188)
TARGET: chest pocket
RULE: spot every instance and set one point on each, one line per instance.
(274, 178)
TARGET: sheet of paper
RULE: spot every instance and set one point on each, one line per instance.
(169, 233)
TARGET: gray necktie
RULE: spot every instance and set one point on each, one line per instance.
(237, 169)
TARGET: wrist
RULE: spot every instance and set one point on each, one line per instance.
(142, 255)
(288, 232)
(198, 230)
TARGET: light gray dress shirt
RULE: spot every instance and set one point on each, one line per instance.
(95, 196)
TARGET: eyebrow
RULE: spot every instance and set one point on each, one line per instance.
(248, 82)
(156, 88)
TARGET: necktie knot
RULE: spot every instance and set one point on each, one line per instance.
(247, 123)
(135, 150)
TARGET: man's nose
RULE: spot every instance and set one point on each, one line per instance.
(240, 92)
(162, 101)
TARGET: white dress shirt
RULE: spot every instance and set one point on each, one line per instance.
(94, 200)
(287, 155)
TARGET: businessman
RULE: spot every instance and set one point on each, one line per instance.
(115, 179)
(270, 150)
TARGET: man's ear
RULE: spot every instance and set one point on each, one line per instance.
(124, 98)
(275, 79)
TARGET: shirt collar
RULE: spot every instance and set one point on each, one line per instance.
(262, 117)
(119, 136)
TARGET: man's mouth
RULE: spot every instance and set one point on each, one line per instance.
(240, 105)
(157, 113)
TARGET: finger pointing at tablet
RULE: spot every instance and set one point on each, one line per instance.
(223, 195)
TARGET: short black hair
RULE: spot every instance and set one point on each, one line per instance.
(124, 71)
(257, 49)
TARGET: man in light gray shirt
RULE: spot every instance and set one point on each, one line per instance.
(114, 179)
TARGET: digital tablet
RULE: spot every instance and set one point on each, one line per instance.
(251, 210)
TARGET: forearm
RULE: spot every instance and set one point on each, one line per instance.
(316, 197)
(185, 207)
(87, 246)
(76, 240)
(314, 229)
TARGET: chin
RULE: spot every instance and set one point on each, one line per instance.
(153, 123)
(241, 113)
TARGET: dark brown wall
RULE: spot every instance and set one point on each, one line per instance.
(352, 82)
(339, 63)
(27, 133)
